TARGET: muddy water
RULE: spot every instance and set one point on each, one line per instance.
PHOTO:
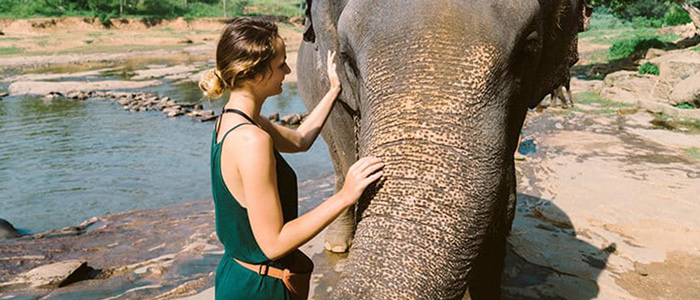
(64, 161)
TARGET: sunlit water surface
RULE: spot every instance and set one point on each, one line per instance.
(64, 161)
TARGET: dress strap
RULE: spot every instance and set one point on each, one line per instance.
(232, 129)
(242, 114)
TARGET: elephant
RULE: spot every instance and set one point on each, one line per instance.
(438, 90)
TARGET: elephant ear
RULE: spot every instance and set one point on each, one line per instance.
(309, 34)
(562, 21)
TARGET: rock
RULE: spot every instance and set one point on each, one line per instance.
(52, 96)
(654, 53)
(274, 117)
(185, 41)
(206, 118)
(7, 231)
(292, 119)
(694, 175)
(2, 95)
(2, 33)
(123, 101)
(58, 274)
(199, 107)
(78, 95)
(678, 65)
(172, 112)
(687, 91)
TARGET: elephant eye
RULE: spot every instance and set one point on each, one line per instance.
(532, 44)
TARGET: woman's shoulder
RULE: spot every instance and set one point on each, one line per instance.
(249, 137)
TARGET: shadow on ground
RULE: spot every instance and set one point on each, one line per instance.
(544, 260)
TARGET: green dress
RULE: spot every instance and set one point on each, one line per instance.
(233, 281)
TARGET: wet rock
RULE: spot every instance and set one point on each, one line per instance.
(292, 119)
(205, 118)
(7, 231)
(171, 112)
(124, 101)
(58, 274)
(52, 96)
(2, 95)
(274, 117)
(199, 107)
(78, 95)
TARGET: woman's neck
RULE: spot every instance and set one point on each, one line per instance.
(246, 101)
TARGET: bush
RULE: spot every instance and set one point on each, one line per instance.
(676, 16)
(649, 68)
(684, 105)
(626, 48)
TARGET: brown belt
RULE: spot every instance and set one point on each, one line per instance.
(263, 270)
(297, 283)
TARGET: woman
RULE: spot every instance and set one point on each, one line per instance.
(254, 189)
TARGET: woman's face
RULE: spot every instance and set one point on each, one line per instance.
(271, 83)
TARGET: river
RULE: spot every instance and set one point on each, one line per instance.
(64, 161)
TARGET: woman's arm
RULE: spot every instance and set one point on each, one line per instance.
(301, 139)
(259, 179)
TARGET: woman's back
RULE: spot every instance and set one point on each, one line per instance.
(235, 233)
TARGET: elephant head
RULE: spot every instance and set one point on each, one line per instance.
(438, 90)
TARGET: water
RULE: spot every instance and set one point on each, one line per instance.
(64, 161)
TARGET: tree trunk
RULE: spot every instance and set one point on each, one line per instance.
(224, 1)
(693, 12)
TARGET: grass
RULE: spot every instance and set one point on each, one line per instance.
(9, 39)
(10, 50)
(649, 68)
(590, 98)
(684, 105)
(667, 122)
(693, 152)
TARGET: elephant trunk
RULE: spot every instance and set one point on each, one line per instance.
(441, 136)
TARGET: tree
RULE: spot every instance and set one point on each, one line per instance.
(648, 7)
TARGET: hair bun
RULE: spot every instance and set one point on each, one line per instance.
(212, 85)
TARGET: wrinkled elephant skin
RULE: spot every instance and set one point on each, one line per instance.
(438, 90)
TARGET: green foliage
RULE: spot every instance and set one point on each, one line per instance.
(684, 105)
(649, 68)
(106, 9)
(625, 48)
(693, 152)
(591, 98)
(676, 16)
(646, 13)
(10, 50)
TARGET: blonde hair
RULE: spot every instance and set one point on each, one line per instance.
(244, 51)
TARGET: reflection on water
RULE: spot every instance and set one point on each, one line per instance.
(64, 161)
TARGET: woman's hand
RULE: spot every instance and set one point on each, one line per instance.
(359, 176)
(332, 73)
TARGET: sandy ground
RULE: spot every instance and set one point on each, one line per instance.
(608, 202)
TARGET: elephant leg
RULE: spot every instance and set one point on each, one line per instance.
(341, 231)
(486, 280)
(571, 98)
